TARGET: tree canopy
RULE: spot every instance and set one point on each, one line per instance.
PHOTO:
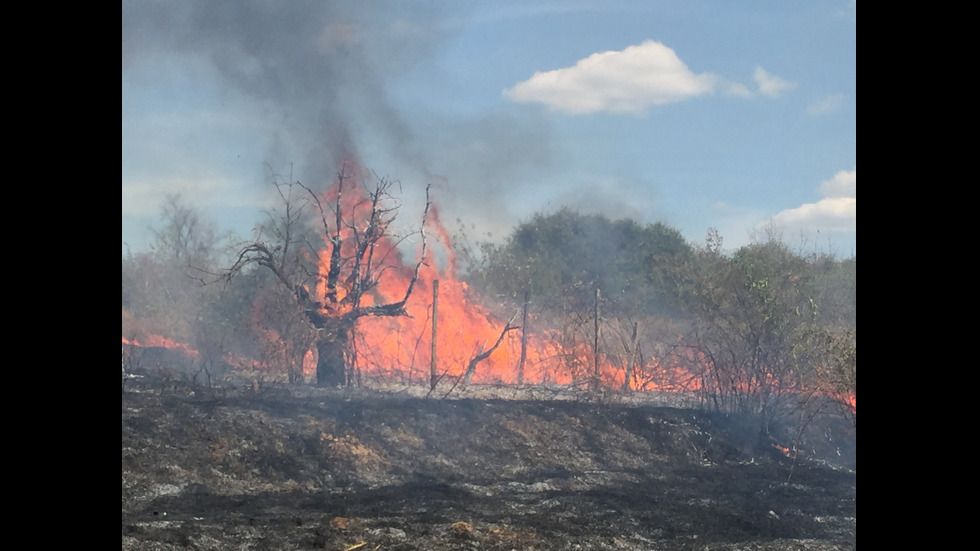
(571, 254)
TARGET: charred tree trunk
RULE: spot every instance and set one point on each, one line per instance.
(331, 363)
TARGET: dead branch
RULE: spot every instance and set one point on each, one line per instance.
(354, 232)
(471, 367)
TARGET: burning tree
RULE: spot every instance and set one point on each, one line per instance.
(334, 277)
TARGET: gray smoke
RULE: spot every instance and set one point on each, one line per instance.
(323, 71)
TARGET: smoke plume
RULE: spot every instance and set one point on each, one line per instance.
(321, 75)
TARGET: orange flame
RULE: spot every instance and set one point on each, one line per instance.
(401, 346)
(161, 341)
(786, 451)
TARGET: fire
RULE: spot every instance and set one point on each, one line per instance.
(162, 342)
(464, 330)
(786, 451)
(401, 346)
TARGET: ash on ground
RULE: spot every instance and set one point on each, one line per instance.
(294, 467)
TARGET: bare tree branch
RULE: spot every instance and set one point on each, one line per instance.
(355, 225)
(471, 367)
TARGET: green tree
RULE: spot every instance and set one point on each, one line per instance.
(561, 259)
(564, 256)
(748, 311)
(835, 282)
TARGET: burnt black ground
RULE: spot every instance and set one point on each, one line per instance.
(305, 468)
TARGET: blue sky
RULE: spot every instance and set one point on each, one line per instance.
(737, 116)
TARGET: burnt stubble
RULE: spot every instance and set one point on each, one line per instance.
(291, 467)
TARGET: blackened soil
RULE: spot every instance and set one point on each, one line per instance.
(300, 468)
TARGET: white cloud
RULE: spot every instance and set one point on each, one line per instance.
(832, 214)
(630, 80)
(737, 89)
(836, 212)
(770, 85)
(825, 105)
(843, 184)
